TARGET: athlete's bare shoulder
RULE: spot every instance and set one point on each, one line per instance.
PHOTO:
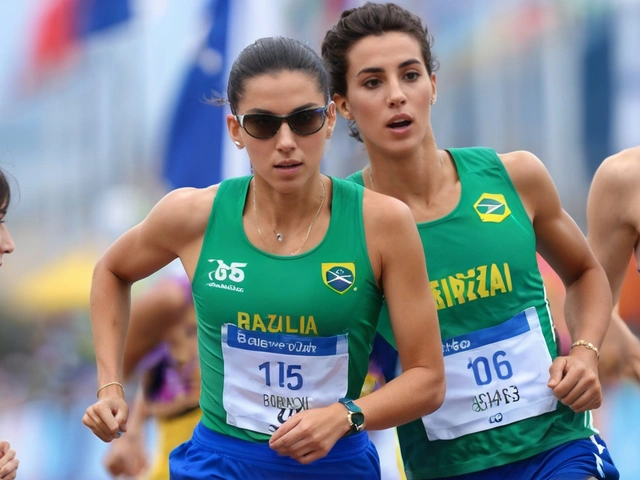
(533, 182)
(521, 165)
(616, 187)
(621, 170)
(197, 201)
(390, 231)
(385, 211)
(183, 212)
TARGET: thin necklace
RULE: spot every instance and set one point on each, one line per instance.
(279, 235)
(373, 185)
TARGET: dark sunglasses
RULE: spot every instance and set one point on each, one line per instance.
(266, 125)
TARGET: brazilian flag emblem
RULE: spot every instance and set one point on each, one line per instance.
(492, 207)
(339, 277)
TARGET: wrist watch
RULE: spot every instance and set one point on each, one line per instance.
(355, 415)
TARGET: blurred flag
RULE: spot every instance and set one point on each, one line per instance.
(598, 90)
(194, 149)
(199, 152)
(61, 28)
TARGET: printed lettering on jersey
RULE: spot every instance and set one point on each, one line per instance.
(278, 323)
(478, 282)
(226, 277)
(492, 207)
(339, 277)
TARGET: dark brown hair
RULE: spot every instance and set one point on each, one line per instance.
(358, 23)
(5, 191)
(274, 55)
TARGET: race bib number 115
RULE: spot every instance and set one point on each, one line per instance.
(270, 376)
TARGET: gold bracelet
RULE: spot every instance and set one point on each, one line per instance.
(108, 385)
(589, 345)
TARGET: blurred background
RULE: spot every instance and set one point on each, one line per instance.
(102, 113)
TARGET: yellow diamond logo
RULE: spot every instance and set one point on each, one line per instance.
(492, 207)
(339, 277)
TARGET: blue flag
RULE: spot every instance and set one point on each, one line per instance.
(193, 154)
(97, 15)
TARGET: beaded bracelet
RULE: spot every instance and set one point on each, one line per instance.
(589, 345)
(108, 385)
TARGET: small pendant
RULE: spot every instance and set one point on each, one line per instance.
(279, 236)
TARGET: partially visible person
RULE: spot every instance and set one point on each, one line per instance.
(8, 461)
(169, 390)
(153, 315)
(288, 270)
(6, 242)
(514, 408)
(613, 232)
(127, 455)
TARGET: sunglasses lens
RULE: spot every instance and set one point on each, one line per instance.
(307, 121)
(261, 126)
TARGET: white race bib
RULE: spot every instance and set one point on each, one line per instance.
(495, 377)
(269, 377)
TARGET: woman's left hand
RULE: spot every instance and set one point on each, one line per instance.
(311, 434)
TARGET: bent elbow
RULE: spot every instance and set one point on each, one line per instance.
(439, 393)
(434, 393)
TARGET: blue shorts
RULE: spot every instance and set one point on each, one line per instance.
(210, 455)
(577, 460)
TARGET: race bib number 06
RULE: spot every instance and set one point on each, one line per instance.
(269, 377)
(495, 376)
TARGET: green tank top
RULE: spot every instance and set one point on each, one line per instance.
(277, 334)
(497, 333)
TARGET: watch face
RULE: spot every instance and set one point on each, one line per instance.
(357, 419)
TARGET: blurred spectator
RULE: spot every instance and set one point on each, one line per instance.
(170, 387)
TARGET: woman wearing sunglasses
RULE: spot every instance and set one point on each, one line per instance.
(514, 408)
(288, 269)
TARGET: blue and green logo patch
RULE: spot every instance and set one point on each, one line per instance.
(339, 277)
(492, 207)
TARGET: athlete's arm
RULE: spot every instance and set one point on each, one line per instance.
(574, 379)
(397, 259)
(613, 234)
(398, 255)
(174, 228)
(611, 231)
